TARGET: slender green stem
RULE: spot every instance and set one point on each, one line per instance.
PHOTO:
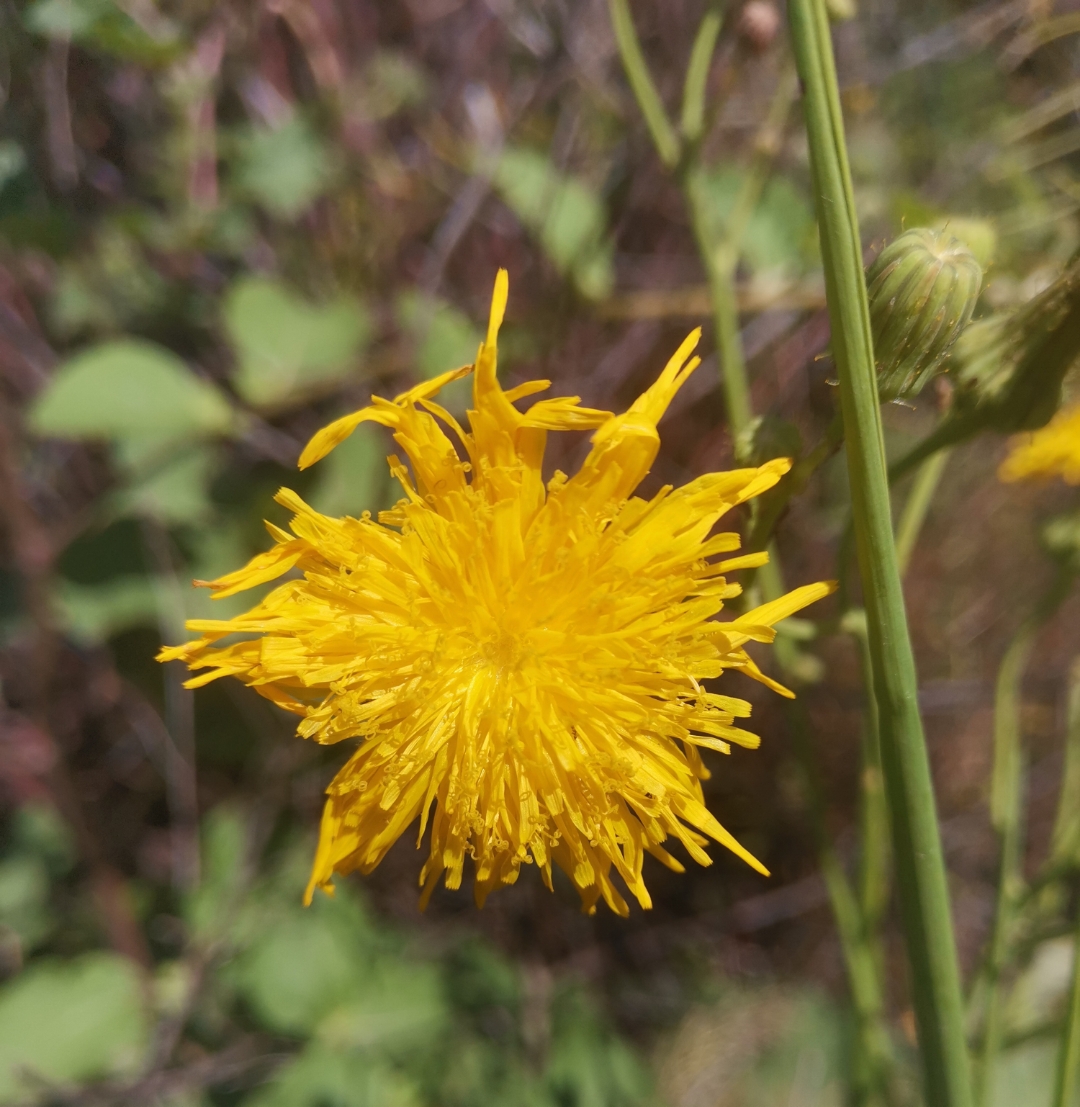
(1006, 814)
(873, 1065)
(917, 505)
(692, 122)
(1068, 1063)
(720, 261)
(719, 257)
(873, 1062)
(1065, 841)
(920, 865)
(874, 813)
(766, 144)
(663, 134)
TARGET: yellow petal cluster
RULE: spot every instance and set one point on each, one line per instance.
(1051, 451)
(524, 662)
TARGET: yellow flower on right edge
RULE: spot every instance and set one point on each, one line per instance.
(1052, 451)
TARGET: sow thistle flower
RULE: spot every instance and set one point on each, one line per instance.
(523, 663)
(1052, 451)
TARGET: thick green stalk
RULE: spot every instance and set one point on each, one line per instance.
(1068, 1063)
(920, 865)
(1006, 814)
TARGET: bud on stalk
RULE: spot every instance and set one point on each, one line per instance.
(922, 287)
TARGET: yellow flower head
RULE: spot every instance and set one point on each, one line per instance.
(523, 663)
(1051, 451)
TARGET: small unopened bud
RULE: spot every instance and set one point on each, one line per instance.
(1009, 368)
(758, 24)
(922, 287)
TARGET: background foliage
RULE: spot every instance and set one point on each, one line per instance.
(224, 224)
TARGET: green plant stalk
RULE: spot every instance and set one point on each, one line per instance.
(721, 257)
(1006, 814)
(874, 810)
(920, 865)
(663, 134)
(1045, 894)
(719, 253)
(720, 261)
(692, 121)
(1067, 1078)
(916, 506)
(873, 1063)
(1065, 840)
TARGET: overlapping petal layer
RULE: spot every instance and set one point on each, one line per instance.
(524, 663)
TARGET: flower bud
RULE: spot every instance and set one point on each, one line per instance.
(1008, 369)
(922, 287)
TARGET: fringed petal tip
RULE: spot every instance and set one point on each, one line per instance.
(499, 296)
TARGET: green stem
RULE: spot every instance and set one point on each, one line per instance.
(1065, 841)
(663, 134)
(872, 1067)
(692, 122)
(720, 262)
(874, 814)
(1068, 1062)
(920, 865)
(776, 500)
(1006, 814)
(873, 1062)
(916, 506)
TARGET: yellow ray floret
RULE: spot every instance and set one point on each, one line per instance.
(1052, 451)
(523, 663)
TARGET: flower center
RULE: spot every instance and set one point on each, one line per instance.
(503, 651)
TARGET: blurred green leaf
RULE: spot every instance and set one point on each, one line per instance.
(352, 477)
(761, 1045)
(172, 489)
(129, 389)
(110, 284)
(780, 234)
(299, 965)
(285, 169)
(105, 25)
(478, 979)
(1025, 1075)
(476, 1072)
(94, 613)
(390, 81)
(565, 213)
(286, 345)
(589, 1066)
(38, 829)
(321, 1077)
(445, 338)
(65, 1021)
(24, 899)
(12, 161)
(224, 848)
(400, 1004)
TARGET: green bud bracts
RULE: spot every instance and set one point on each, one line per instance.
(923, 287)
